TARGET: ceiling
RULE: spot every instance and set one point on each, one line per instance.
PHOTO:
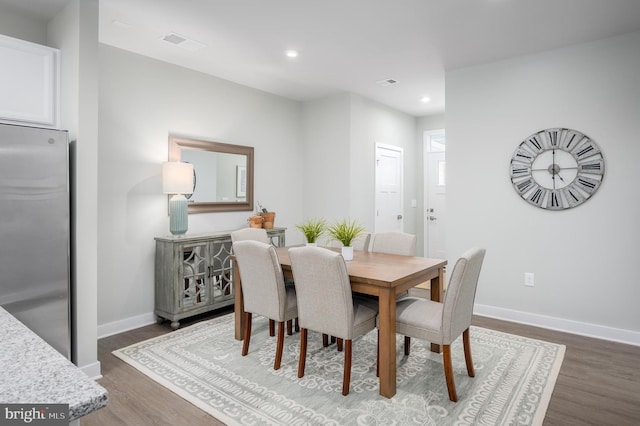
(350, 45)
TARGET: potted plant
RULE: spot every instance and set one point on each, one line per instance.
(346, 231)
(312, 230)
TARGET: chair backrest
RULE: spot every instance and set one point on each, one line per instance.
(362, 242)
(461, 293)
(262, 280)
(255, 234)
(325, 302)
(394, 243)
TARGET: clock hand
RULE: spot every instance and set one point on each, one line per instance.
(559, 168)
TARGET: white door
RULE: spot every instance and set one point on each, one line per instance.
(435, 194)
(388, 214)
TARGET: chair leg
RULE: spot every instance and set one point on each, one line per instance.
(247, 333)
(467, 353)
(303, 352)
(407, 345)
(279, 346)
(339, 344)
(346, 381)
(272, 328)
(448, 372)
(297, 326)
(325, 340)
(289, 328)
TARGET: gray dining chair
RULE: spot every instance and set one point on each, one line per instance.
(264, 290)
(394, 243)
(326, 304)
(442, 323)
(255, 234)
(260, 234)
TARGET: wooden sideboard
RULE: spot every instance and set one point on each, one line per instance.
(194, 273)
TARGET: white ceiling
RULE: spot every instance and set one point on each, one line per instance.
(348, 45)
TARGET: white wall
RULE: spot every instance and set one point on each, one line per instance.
(23, 27)
(142, 100)
(584, 259)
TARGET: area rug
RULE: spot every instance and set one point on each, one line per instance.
(201, 363)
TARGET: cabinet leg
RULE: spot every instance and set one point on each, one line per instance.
(175, 325)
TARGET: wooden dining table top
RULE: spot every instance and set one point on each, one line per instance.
(378, 269)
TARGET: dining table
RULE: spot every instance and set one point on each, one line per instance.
(376, 274)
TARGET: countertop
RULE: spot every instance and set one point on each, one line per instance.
(32, 372)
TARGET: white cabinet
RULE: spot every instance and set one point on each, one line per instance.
(194, 273)
(29, 83)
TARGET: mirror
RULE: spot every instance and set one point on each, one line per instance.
(222, 174)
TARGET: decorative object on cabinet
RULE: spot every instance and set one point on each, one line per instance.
(345, 231)
(177, 179)
(225, 173)
(268, 219)
(29, 83)
(194, 273)
(557, 169)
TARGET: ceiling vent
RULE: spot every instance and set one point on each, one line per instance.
(183, 42)
(387, 82)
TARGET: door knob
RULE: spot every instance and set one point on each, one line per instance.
(432, 218)
(399, 216)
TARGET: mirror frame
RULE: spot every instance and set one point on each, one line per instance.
(177, 143)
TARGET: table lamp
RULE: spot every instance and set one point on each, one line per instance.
(177, 179)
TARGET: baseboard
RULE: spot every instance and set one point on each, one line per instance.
(92, 370)
(560, 324)
(126, 324)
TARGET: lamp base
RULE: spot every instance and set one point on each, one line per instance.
(178, 216)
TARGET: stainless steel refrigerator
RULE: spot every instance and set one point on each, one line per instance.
(34, 231)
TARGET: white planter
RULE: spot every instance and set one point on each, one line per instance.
(312, 244)
(347, 253)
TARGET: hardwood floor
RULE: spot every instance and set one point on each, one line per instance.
(599, 382)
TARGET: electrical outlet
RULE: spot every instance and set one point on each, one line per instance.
(528, 279)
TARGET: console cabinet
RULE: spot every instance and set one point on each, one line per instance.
(194, 273)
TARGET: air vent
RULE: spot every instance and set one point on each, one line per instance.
(387, 82)
(183, 42)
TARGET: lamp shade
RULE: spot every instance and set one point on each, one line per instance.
(177, 177)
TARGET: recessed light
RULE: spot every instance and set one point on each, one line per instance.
(291, 53)
(425, 99)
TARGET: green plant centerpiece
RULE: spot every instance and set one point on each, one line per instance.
(312, 229)
(346, 231)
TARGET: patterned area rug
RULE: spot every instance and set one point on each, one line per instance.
(201, 363)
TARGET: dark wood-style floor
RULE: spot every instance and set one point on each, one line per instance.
(599, 382)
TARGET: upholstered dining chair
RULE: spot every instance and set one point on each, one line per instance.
(255, 234)
(326, 304)
(442, 323)
(394, 243)
(264, 290)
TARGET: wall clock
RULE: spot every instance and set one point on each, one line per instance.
(557, 169)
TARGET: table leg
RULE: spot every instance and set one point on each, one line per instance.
(387, 342)
(238, 306)
(437, 295)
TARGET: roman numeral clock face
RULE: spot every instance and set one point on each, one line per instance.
(557, 169)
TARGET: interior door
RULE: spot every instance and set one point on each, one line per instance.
(389, 186)
(435, 197)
